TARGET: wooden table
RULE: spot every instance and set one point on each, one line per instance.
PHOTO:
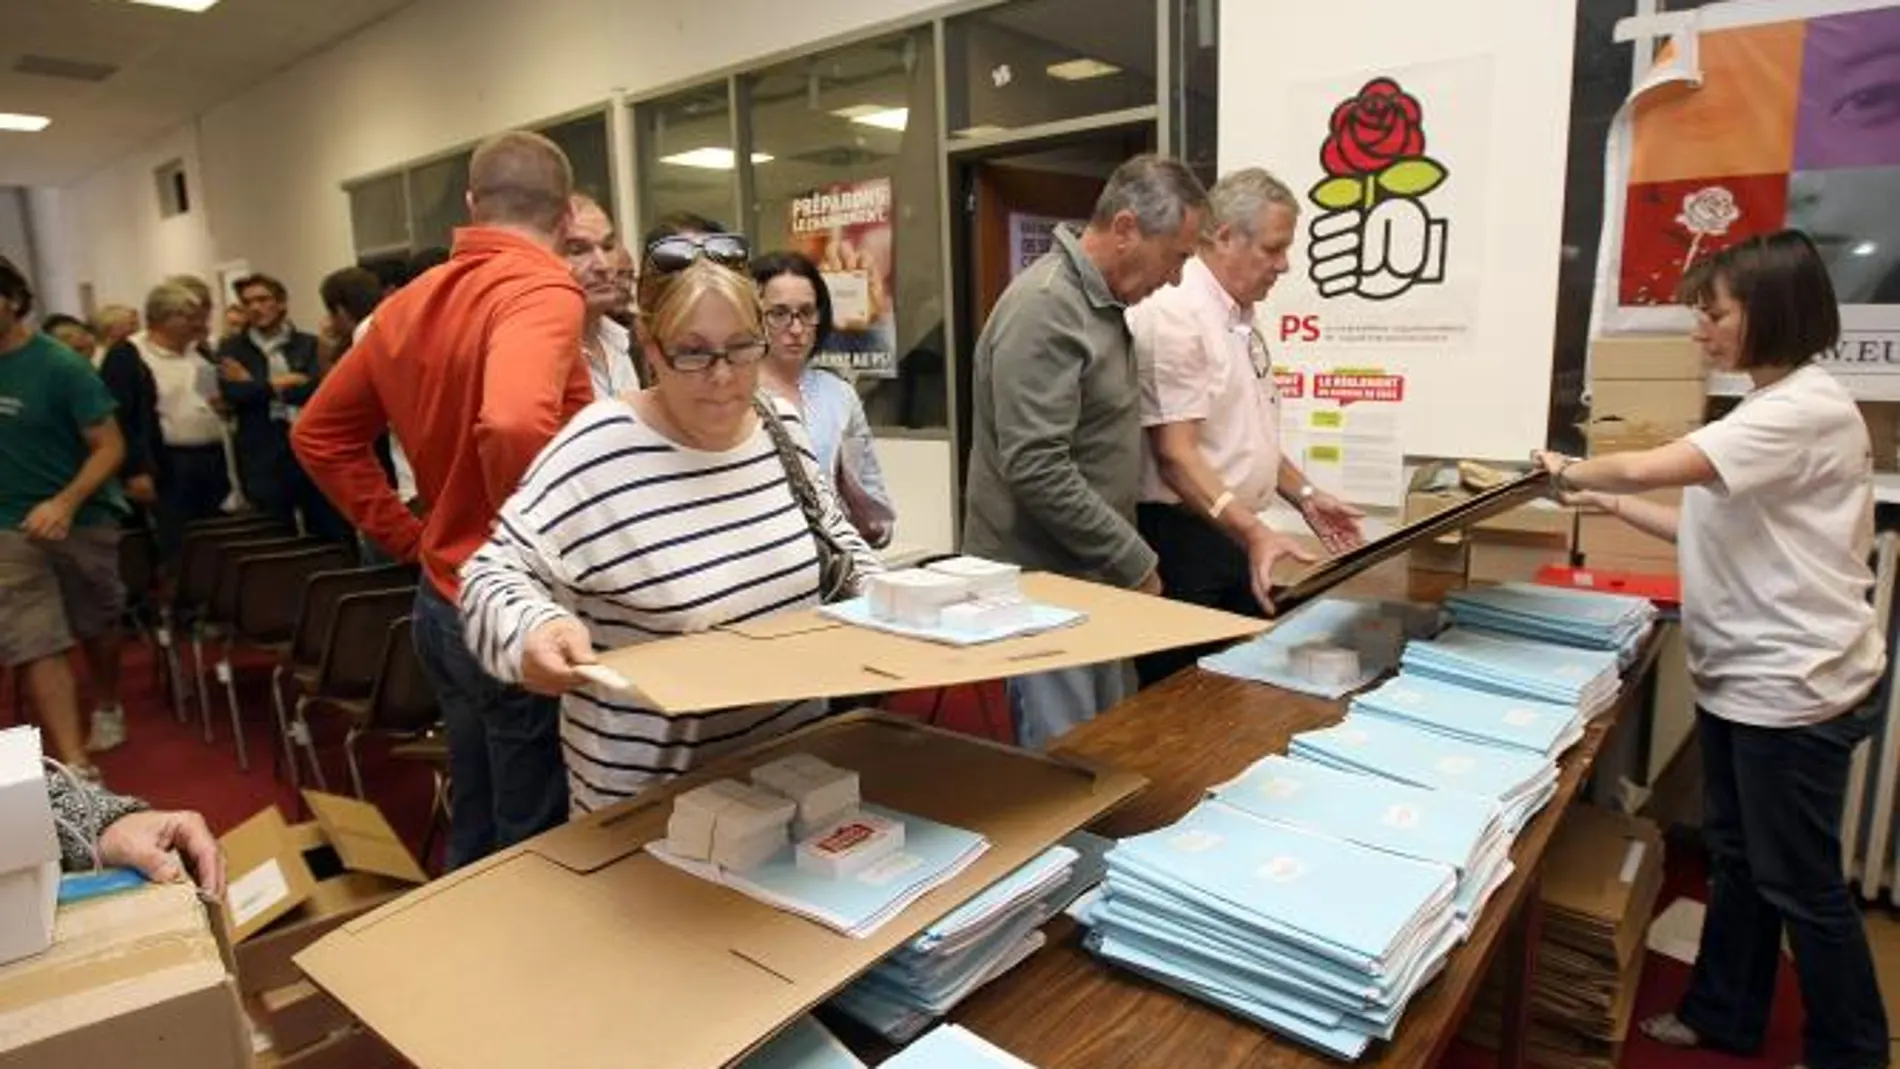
(1066, 1007)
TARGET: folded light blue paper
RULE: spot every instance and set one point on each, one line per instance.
(805, 1044)
(857, 612)
(1546, 729)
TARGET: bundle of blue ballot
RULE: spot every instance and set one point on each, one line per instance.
(1563, 675)
(1321, 940)
(1542, 728)
(1520, 782)
(1464, 831)
(1564, 616)
(979, 941)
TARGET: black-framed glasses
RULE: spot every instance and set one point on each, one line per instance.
(697, 359)
(676, 253)
(780, 316)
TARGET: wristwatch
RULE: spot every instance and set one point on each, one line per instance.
(1307, 493)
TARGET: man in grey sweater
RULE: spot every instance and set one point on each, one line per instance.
(1055, 453)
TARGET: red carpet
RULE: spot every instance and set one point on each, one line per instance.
(169, 764)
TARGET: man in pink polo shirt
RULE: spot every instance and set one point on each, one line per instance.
(1212, 416)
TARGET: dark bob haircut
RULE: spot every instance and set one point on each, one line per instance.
(1789, 312)
(14, 287)
(771, 265)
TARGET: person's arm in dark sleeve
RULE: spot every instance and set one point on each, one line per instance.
(244, 390)
(529, 382)
(335, 442)
(308, 363)
(124, 374)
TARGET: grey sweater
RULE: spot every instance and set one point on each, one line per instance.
(79, 824)
(1055, 437)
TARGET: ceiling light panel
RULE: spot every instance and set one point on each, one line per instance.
(1077, 70)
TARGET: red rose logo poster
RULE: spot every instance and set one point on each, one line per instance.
(1377, 237)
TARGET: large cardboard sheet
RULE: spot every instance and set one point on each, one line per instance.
(802, 655)
(579, 950)
(1328, 574)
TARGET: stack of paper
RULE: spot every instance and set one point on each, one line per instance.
(1518, 667)
(1561, 615)
(1463, 831)
(1519, 781)
(953, 1047)
(986, 937)
(1542, 728)
(1374, 630)
(1321, 940)
(858, 905)
(1600, 882)
(805, 1044)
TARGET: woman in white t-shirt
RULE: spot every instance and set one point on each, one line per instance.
(1773, 535)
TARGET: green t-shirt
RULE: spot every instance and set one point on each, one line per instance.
(49, 396)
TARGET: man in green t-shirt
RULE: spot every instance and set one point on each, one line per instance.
(59, 521)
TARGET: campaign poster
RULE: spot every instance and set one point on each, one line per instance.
(846, 228)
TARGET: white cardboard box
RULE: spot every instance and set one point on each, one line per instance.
(29, 849)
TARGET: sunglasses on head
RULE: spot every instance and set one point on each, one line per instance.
(676, 253)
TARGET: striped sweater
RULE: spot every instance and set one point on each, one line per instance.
(641, 538)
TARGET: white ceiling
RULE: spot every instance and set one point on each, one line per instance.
(171, 66)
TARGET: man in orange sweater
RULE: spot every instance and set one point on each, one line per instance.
(475, 365)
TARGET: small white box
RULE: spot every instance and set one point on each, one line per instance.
(729, 823)
(913, 597)
(823, 792)
(1325, 664)
(29, 848)
(689, 829)
(986, 615)
(850, 846)
(987, 578)
(1379, 640)
(743, 853)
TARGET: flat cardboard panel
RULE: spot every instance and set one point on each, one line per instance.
(363, 838)
(354, 1049)
(1883, 432)
(134, 978)
(1602, 532)
(300, 1015)
(1668, 403)
(264, 960)
(792, 659)
(1584, 873)
(1436, 556)
(268, 876)
(583, 942)
(1647, 356)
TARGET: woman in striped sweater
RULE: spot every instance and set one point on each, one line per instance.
(657, 513)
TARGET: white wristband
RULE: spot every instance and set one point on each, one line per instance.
(1220, 504)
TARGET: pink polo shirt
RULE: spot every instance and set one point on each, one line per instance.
(1201, 360)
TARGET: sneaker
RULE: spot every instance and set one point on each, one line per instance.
(108, 730)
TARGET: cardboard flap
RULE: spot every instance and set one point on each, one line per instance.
(600, 942)
(267, 874)
(363, 838)
(776, 662)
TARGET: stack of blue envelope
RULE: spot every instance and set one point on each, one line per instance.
(1464, 831)
(983, 939)
(1319, 939)
(1519, 781)
(1564, 616)
(1584, 679)
(1541, 728)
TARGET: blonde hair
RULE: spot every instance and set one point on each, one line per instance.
(104, 318)
(667, 298)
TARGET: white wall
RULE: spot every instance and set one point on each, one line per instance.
(437, 74)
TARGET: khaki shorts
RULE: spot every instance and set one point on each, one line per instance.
(54, 592)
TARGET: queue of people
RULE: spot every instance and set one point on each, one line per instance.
(611, 445)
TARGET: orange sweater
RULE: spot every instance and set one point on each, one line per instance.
(475, 365)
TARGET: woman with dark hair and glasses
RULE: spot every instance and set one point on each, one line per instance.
(797, 321)
(1774, 535)
(689, 505)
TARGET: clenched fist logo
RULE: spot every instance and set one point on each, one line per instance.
(1376, 238)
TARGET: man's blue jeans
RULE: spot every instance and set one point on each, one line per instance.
(507, 779)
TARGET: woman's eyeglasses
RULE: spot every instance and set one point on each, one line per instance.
(780, 316)
(696, 359)
(678, 252)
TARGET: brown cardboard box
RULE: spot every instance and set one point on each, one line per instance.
(1883, 432)
(799, 655)
(1513, 558)
(352, 1049)
(1647, 356)
(1444, 557)
(1614, 435)
(1657, 402)
(137, 978)
(1606, 535)
(291, 884)
(1543, 517)
(1446, 554)
(1600, 879)
(582, 943)
(299, 1015)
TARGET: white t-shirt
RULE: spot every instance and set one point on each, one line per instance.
(1774, 558)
